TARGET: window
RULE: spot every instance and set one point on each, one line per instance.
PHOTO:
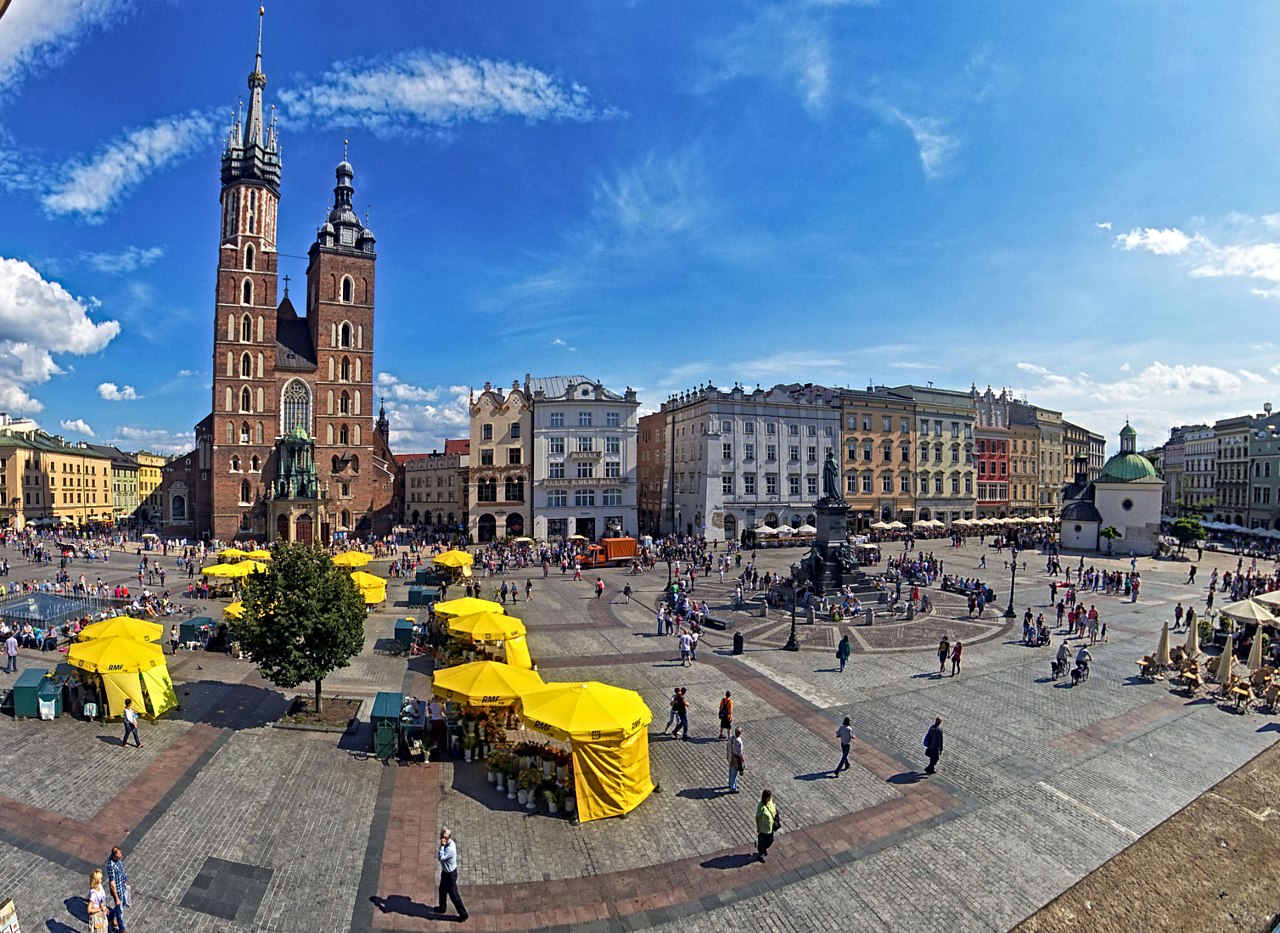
(513, 490)
(555, 469)
(937, 453)
(866, 483)
(246, 329)
(487, 490)
(611, 497)
(887, 452)
(813, 430)
(344, 403)
(968, 484)
(612, 469)
(793, 453)
(937, 429)
(584, 498)
(557, 498)
(850, 485)
(556, 419)
(584, 419)
(555, 446)
(793, 486)
(866, 450)
(235, 464)
(347, 289)
(613, 445)
(813, 454)
(924, 484)
(748, 484)
(906, 452)
(248, 258)
(344, 335)
(245, 492)
(937, 484)
(586, 470)
(812, 482)
(246, 399)
(906, 425)
(886, 424)
(749, 427)
(584, 444)
(246, 293)
(344, 435)
(955, 485)
(726, 451)
(513, 456)
(245, 436)
(851, 423)
(905, 482)
(612, 420)
(726, 484)
(793, 430)
(749, 452)
(486, 432)
(771, 484)
(254, 465)
(771, 452)
(886, 482)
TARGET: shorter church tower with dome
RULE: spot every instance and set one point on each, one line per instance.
(1125, 496)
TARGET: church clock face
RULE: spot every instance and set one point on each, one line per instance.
(348, 237)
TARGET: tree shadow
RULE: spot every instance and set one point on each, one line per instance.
(359, 739)
(725, 862)
(816, 776)
(229, 706)
(406, 906)
(905, 777)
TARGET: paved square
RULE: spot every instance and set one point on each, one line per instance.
(230, 824)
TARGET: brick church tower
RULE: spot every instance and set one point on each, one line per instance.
(287, 390)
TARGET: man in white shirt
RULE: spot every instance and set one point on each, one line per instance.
(845, 736)
(735, 752)
(686, 646)
(130, 724)
(447, 856)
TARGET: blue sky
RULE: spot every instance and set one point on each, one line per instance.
(1078, 201)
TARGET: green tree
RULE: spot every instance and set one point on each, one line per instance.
(1187, 531)
(304, 617)
(1111, 532)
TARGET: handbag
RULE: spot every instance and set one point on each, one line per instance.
(127, 900)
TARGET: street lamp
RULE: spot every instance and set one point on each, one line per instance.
(793, 643)
(1013, 579)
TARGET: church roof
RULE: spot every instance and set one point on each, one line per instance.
(293, 344)
(1081, 511)
(1128, 468)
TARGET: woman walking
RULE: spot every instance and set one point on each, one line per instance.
(97, 903)
(766, 824)
(956, 651)
(842, 652)
(726, 715)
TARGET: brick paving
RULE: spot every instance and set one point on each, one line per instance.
(1038, 785)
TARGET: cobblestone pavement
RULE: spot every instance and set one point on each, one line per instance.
(229, 824)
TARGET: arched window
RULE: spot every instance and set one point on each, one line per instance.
(360, 337)
(355, 464)
(357, 369)
(346, 369)
(231, 327)
(328, 434)
(178, 508)
(344, 403)
(335, 463)
(246, 399)
(344, 436)
(261, 432)
(330, 401)
(231, 431)
(261, 360)
(344, 335)
(356, 440)
(246, 296)
(246, 328)
(254, 465)
(330, 369)
(248, 257)
(295, 407)
(231, 364)
(246, 366)
(261, 400)
(347, 289)
(244, 433)
(345, 519)
(357, 402)
(260, 322)
(245, 491)
(235, 464)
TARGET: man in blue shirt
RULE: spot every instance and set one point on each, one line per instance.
(448, 858)
(117, 888)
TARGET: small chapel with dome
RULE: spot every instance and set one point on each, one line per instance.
(1125, 496)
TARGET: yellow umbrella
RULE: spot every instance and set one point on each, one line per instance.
(232, 553)
(259, 554)
(225, 570)
(362, 579)
(484, 683)
(115, 655)
(1162, 649)
(234, 610)
(454, 559)
(124, 627)
(351, 559)
(373, 589)
(586, 711)
(487, 626)
(467, 606)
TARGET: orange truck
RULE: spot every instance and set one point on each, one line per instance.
(612, 551)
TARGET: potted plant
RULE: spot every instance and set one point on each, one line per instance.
(529, 780)
(513, 772)
(469, 743)
(555, 799)
(563, 760)
(548, 756)
(570, 795)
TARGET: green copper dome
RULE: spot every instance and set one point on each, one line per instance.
(1127, 468)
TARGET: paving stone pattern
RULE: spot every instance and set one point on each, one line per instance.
(228, 824)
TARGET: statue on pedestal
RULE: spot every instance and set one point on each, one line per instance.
(831, 478)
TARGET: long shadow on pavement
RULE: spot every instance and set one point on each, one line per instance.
(817, 776)
(229, 706)
(723, 862)
(905, 777)
(400, 904)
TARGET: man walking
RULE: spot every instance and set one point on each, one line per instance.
(448, 858)
(11, 653)
(130, 724)
(933, 745)
(681, 707)
(735, 752)
(766, 824)
(845, 735)
(117, 891)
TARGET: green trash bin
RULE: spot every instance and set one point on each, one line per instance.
(404, 633)
(49, 699)
(26, 694)
(386, 709)
(420, 577)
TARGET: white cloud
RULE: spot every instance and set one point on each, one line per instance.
(781, 43)
(431, 90)
(39, 318)
(88, 188)
(78, 426)
(124, 262)
(1238, 250)
(155, 440)
(42, 32)
(1166, 242)
(114, 393)
(564, 345)
(187, 373)
(421, 418)
(937, 148)
(1105, 225)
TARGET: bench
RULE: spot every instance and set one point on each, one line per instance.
(723, 624)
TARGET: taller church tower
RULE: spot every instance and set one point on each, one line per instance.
(245, 404)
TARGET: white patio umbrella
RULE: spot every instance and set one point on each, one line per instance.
(786, 530)
(764, 531)
(1246, 610)
(1270, 600)
(895, 526)
(1255, 651)
(1225, 663)
(806, 529)
(1192, 646)
(1162, 649)
(880, 526)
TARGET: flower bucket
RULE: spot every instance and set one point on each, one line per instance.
(522, 796)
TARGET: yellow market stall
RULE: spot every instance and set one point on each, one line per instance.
(455, 560)
(466, 606)
(494, 626)
(127, 669)
(605, 726)
(139, 630)
(352, 559)
(372, 588)
(484, 683)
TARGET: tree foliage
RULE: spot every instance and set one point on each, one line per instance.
(1111, 532)
(304, 617)
(1187, 531)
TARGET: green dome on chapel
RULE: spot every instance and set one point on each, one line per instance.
(1127, 468)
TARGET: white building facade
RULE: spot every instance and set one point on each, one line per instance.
(742, 458)
(583, 459)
